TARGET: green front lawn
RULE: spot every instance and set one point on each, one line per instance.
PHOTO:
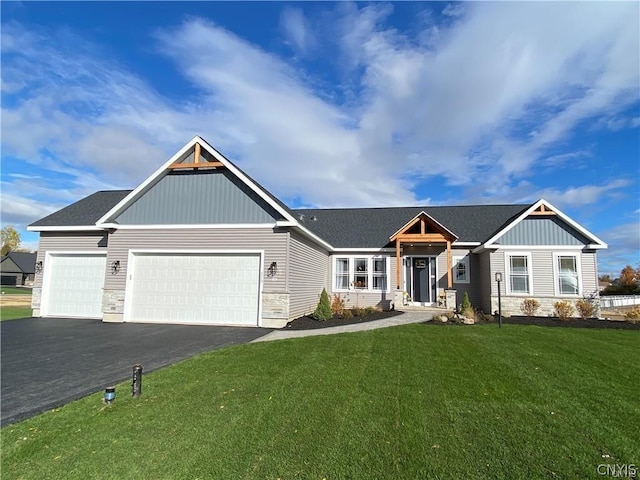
(15, 291)
(12, 313)
(413, 401)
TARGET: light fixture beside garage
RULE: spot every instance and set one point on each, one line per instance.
(115, 267)
(39, 267)
(273, 269)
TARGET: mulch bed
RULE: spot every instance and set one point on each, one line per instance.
(555, 322)
(310, 323)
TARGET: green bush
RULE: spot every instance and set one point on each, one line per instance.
(346, 314)
(563, 310)
(487, 317)
(358, 312)
(466, 303)
(369, 310)
(323, 310)
(529, 306)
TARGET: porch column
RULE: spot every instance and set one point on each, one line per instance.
(449, 265)
(398, 261)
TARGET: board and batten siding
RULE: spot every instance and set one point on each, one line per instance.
(68, 242)
(543, 231)
(486, 279)
(359, 298)
(308, 272)
(206, 197)
(274, 244)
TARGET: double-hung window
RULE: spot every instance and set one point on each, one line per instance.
(361, 273)
(461, 269)
(567, 274)
(519, 268)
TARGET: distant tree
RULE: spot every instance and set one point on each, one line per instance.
(605, 278)
(628, 276)
(10, 240)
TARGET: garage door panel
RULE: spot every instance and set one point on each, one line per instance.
(198, 288)
(74, 285)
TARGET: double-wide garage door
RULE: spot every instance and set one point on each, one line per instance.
(220, 289)
(73, 285)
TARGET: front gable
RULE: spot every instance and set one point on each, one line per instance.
(543, 225)
(8, 266)
(190, 197)
(197, 186)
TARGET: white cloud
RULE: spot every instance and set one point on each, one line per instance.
(297, 30)
(624, 248)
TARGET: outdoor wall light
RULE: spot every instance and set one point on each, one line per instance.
(109, 395)
(115, 267)
(39, 267)
(498, 277)
(273, 269)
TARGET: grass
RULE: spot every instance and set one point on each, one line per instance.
(406, 402)
(13, 313)
(15, 291)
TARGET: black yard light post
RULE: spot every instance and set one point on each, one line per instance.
(498, 280)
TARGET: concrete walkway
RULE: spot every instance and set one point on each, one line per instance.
(403, 319)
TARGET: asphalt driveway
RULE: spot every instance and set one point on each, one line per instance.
(47, 362)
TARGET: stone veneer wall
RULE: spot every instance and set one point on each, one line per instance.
(511, 305)
(275, 309)
(112, 305)
(36, 297)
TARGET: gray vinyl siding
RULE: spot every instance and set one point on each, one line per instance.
(68, 242)
(543, 231)
(274, 244)
(308, 273)
(358, 298)
(207, 197)
(544, 276)
(485, 279)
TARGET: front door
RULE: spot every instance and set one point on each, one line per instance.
(423, 279)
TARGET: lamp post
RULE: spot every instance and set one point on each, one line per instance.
(498, 280)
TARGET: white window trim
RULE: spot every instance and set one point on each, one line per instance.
(352, 272)
(556, 274)
(464, 260)
(507, 269)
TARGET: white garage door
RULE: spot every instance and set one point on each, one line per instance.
(73, 285)
(194, 288)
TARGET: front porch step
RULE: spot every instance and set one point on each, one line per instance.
(419, 308)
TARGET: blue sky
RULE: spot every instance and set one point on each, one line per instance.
(332, 104)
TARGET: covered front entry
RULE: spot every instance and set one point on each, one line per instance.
(421, 279)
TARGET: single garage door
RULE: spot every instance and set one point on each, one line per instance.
(216, 289)
(73, 286)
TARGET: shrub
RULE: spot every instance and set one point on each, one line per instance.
(358, 312)
(323, 310)
(337, 305)
(529, 306)
(585, 308)
(487, 317)
(633, 314)
(468, 313)
(466, 303)
(369, 310)
(563, 310)
(346, 314)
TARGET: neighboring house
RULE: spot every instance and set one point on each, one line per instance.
(18, 269)
(200, 242)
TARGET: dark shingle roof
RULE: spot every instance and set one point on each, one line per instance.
(84, 212)
(25, 261)
(372, 227)
(341, 227)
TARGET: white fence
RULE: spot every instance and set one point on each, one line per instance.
(613, 301)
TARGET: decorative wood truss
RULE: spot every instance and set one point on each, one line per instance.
(423, 229)
(543, 210)
(201, 159)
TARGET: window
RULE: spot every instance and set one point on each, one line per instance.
(519, 272)
(379, 273)
(461, 269)
(362, 273)
(342, 273)
(567, 275)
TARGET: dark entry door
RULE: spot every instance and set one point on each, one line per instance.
(420, 280)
